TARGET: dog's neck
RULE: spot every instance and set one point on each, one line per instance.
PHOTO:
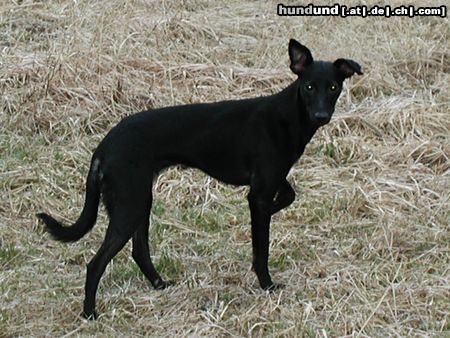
(290, 106)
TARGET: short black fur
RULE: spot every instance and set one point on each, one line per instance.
(252, 142)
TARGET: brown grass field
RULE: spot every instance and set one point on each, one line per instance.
(364, 250)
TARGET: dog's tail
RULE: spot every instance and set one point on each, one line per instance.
(88, 216)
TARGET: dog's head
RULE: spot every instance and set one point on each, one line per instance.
(320, 82)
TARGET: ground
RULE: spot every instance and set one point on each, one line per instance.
(364, 249)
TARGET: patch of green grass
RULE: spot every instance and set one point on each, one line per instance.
(14, 151)
(158, 208)
(171, 267)
(58, 156)
(226, 296)
(360, 92)
(203, 247)
(5, 318)
(279, 262)
(206, 222)
(8, 255)
(340, 153)
(125, 270)
(282, 257)
(330, 149)
(318, 211)
(157, 231)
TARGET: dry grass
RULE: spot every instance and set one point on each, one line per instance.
(364, 250)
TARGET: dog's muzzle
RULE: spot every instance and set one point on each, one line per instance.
(322, 118)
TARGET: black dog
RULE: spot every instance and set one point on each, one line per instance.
(251, 142)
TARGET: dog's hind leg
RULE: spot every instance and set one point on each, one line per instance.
(128, 207)
(141, 255)
(113, 243)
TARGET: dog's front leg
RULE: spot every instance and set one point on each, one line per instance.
(285, 196)
(260, 201)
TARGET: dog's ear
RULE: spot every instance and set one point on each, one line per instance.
(299, 55)
(348, 67)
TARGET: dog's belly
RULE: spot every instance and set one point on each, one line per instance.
(230, 172)
(237, 177)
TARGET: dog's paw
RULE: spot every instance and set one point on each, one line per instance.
(90, 315)
(162, 284)
(274, 287)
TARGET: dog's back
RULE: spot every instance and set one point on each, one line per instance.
(207, 136)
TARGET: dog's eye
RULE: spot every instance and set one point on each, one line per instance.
(333, 88)
(309, 88)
